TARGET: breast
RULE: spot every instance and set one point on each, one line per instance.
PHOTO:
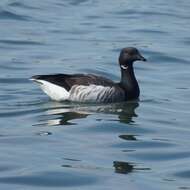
(96, 93)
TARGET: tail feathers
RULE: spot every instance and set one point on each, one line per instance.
(54, 91)
(36, 78)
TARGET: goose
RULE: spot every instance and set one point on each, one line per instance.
(90, 88)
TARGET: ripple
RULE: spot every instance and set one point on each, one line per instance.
(93, 17)
(11, 67)
(77, 2)
(5, 14)
(183, 174)
(108, 127)
(151, 32)
(128, 137)
(186, 41)
(8, 97)
(163, 57)
(22, 140)
(137, 13)
(22, 5)
(52, 179)
(184, 188)
(17, 113)
(21, 42)
(72, 159)
(171, 59)
(161, 156)
(134, 143)
(13, 80)
(4, 168)
(121, 167)
(108, 27)
(84, 167)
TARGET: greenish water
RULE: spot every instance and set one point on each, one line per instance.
(136, 145)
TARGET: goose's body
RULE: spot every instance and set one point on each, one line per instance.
(92, 88)
(80, 88)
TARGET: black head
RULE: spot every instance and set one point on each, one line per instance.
(128, 56)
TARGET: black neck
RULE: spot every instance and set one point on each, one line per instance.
(129, 83)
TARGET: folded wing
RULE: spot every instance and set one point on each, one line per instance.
(67, 81)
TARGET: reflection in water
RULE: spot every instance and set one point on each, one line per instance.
(128, 137)
(119, 166)
(123, 167)
(43, 133)
(81, 166)
(65, 118)
(126, 167)
(66, 113)
(128, 112)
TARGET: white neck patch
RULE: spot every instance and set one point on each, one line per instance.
(124, 67)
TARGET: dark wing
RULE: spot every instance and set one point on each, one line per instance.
(67, 81)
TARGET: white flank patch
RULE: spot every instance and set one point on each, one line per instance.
(54, 91)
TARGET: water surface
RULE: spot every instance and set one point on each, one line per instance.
(136, 145)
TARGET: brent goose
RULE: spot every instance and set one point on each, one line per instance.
(92, 88)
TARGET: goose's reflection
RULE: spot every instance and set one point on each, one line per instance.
(64, 114)
(127, 113)
(123, 167)
(127, 167)
(128, 137)
(66, 118)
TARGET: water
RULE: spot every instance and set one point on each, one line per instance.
(137, 145)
